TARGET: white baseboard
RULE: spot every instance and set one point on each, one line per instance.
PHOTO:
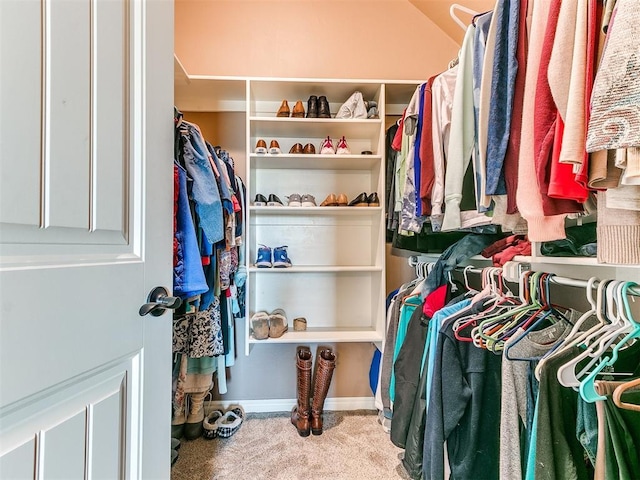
(285, 404)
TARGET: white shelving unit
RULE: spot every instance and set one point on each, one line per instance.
(337, 278)
(337, 281)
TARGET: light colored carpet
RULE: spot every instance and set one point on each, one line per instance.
(353, 446)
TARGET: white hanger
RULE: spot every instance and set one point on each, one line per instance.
(452, 12)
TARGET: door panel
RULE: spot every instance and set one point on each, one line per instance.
(20, 97)
(62, 449)
(110, 96)
(106, 436)
(67, 130)
(19, 463)
(81, 426)
(85, 233)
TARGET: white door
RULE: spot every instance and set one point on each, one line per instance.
(86, 93)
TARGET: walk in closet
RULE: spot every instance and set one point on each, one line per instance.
(507, 208)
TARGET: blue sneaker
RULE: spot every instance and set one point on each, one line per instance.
(264, 257)
(280, 257)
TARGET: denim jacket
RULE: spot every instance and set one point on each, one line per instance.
(195, 158)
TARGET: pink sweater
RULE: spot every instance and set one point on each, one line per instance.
(529, 198)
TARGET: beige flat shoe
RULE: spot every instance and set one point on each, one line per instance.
(330, 201)
(277, 323)
(260, 325)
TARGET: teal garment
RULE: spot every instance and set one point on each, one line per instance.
(407, 309)
(432, 339)
(530, 473)
(201, 365)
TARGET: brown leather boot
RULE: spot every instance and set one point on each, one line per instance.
(326, 363)
(300, 413)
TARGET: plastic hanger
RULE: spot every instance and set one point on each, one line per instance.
(489, 333)
(495, 302)
(575, 336)
(550, 313)
(452, 12)
(465, 276)
(566, 373)
(628, 326)
(621, 390)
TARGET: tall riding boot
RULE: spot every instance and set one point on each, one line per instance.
(178, 419)
(326, 363)
(193, 427)
(300, 413)
(179, 416)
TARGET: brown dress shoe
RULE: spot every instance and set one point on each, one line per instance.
(298, 110)
(330, 201)
(261, 146)
(309, 149)
(274, 147)
(283, 111)
(297, 149)
(342, 200)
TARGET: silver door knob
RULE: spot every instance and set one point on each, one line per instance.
(158, 301)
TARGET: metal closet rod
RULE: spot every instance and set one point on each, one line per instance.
(571, 282)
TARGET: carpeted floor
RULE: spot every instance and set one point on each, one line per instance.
(353, 446)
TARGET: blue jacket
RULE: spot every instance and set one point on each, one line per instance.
(188, 275)
(505, 68)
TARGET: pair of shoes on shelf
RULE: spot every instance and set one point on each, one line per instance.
(278, 258)
(364, 200)
(297, 200)
(274, 147)
(297, 112)
(335, 201)
(262, 201)
(223, 424)
(327, 148)
(318, 107)
(269, 325)
(298, 149)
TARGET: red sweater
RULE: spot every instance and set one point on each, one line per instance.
(427, 160)
(545, 118)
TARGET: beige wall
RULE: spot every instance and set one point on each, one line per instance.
(386, 39)
(303, 38)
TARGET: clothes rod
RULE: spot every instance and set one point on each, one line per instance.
(558, 280)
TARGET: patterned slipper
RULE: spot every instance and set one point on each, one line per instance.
(210, 426)
(230, 422)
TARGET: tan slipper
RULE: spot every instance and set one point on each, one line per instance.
(260, 325)
(277, 323)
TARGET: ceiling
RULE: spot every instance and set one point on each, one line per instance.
(438, 12)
